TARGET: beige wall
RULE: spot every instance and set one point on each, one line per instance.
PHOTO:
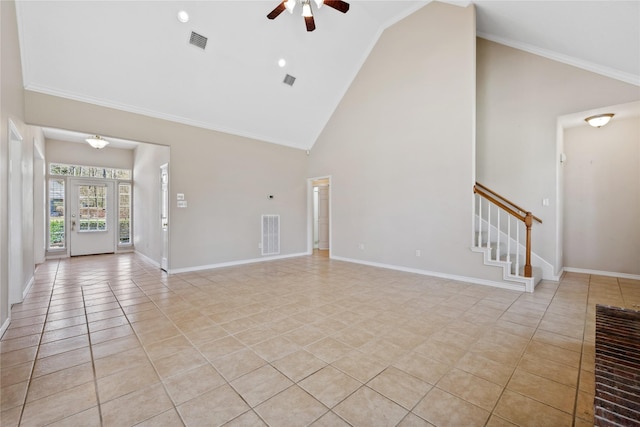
(39, 195)
(226, 180)
(400, 148)
(72, 153)
(11, 107)
(147, 236)
(602, 197)
(520, 96)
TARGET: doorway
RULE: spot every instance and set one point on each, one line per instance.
(164, 215)
(92, 216)
(320, 215)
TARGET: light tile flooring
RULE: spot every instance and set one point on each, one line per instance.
(110, 340)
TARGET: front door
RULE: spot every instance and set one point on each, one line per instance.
(92, 216)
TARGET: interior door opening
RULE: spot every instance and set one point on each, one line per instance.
(320, 215)
(164, 215)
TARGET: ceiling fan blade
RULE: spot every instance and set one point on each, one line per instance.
(340, 5)
(277, 11)
(311, 24)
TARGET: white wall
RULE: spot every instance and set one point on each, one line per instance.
(400, 148)
(602, 197)
(520, 97)
(39, 195)
(147, 236)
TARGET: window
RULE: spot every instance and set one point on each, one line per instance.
(89, 171)
(124, 214)
(92, 206)
(56, 214)
(92, 202)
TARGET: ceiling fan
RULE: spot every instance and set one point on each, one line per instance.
(289, 5)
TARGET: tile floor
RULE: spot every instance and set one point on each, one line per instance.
(111, 341)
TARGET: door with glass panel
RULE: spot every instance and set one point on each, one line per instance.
(92, 217)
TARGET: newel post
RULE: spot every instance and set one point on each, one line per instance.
(528, 222)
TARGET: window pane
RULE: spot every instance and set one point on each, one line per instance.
(124, 213)
(89, 171)
(56, 214)
(92, 202)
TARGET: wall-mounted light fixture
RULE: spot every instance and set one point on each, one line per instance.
(97, 142)
(599, 120)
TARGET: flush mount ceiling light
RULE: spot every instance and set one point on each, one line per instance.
(97, 142)
(183, 16)
(307, 13)
(599, 120)
(282, 62)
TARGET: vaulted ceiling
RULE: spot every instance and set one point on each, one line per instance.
(136, 55)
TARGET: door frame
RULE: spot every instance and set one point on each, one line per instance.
(310, 213)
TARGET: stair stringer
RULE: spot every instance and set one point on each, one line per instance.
(526, 284)
(541, 268)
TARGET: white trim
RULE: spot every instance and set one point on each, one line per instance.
(528, 282)
(28, 287)
(473, 280)
(565, 59)
(234, 263)
(5, 325)
(602, 273)
(146, 258)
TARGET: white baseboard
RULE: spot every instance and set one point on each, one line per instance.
(234, 263)
(28, 287)
(474, 280)
(5, 325)
(602, 273)
(146, 258)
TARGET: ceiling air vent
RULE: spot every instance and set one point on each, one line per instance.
(289, 80)
(198, 40)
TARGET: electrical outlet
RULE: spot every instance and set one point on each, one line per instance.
(361, 246)
(418, 253)
(259, 245)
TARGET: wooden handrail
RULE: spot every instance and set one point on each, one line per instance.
(498, 203)
(490, 191)
(527, 218)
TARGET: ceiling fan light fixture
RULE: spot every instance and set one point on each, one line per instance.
(599, 120)
(97, 142)
(306, 10)
(290, 5)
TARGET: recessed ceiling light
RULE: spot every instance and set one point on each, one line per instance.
(183, 16)
(282, 62)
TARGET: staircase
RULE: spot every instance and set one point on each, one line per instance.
(502, 232)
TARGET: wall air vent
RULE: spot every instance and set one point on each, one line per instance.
(289, 80)
(270, 234)
(198, 40)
